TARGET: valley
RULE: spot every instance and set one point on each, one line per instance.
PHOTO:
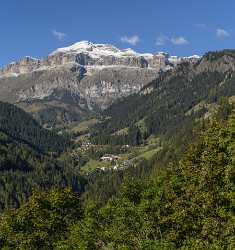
(87, 157)
(117, 125)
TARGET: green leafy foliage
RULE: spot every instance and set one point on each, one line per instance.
(41, 222)
(189, 205)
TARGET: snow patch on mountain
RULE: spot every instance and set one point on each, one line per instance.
(97, 50)
(92, 57)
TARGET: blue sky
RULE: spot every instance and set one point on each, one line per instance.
(180, 27)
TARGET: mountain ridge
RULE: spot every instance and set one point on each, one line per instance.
(94, 51)
(80, 80)
(187, 93)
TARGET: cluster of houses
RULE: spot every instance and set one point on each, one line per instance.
(109, 158)
(120, 166)
(85, 145)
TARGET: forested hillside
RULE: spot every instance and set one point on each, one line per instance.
(186, 205)
(175, 99)
(28, 158)
(23, 169)
(20, 125)
(171, 110)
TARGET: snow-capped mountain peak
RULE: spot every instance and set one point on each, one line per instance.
(91, 56)
(99, 50)
(83, 77)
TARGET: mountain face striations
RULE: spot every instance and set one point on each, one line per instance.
(78, 80)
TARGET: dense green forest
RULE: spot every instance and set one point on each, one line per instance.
(187, 205)
(23, 169)
(27, 158)
(20, 125)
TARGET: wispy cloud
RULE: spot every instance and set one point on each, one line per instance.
(202, 26)
(180, 40)
(222, 33)
(162, 40)
(177, 40)
(133, 40)
(58, 35)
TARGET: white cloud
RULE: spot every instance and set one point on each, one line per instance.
(59, 35)
(180, 40)
(221, 33)
(133, 40)
(162, 40)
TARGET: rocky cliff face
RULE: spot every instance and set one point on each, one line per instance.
(82, 78)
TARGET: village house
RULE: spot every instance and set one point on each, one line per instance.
(109, 158)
